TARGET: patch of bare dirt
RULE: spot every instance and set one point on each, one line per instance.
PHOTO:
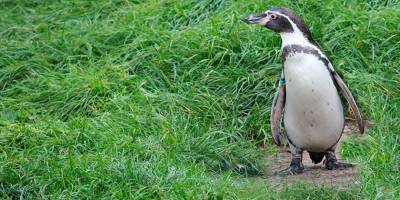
(314, 173)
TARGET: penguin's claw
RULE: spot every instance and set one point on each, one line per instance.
(291, 170)
(337, 165)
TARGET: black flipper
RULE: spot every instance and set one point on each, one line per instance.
(276, 113)
(349, 97)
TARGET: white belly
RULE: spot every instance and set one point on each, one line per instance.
(313, 115)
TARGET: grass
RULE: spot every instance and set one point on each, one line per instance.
(168, 99)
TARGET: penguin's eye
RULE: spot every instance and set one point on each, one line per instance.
(273, 16)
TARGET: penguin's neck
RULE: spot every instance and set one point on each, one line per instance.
(295, 38)
(291, 40)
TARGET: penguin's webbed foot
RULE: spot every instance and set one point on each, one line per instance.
(291, 170)
(331, 165)
(331, 162)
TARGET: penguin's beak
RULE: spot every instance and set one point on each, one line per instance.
(254, 18)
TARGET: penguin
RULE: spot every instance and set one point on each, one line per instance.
(307, 97)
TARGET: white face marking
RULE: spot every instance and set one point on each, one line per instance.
(296, 37)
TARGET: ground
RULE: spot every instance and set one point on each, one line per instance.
(170, 99)
(315, 174)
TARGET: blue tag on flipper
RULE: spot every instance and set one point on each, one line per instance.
(282, 81)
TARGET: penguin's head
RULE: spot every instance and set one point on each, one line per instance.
(281, 20)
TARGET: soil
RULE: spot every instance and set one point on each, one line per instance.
(314, 173)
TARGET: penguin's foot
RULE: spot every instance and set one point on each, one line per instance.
(333, 164)
(291, 170)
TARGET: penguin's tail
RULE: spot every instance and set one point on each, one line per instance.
(316, 157)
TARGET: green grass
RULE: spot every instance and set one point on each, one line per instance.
(167, 99)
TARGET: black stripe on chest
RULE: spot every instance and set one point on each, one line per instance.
(289, 50)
